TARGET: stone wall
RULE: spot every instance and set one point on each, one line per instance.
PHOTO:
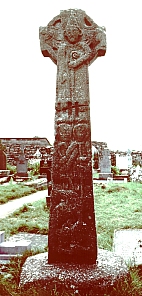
(13, 147)
(100, 146)
(30, 145)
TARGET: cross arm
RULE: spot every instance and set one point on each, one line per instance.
(46, 45)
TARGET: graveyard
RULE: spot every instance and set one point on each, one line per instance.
(83, 235)
(124, 199)
(117, 208)
(26, 230)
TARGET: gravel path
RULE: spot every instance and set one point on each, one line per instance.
(9, 207)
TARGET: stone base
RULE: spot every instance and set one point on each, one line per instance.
(104, 176)
(21, 175)
(79, 279)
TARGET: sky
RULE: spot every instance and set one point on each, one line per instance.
(28, 80)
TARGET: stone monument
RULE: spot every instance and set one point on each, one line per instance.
(3, 163)
(45, 169)
(21, 164)
(2, 160)
(73, 41)
(105, 165)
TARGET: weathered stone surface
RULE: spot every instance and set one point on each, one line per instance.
(38, 241)
(2, 236)
(99, 278)
(13, 147)
(105, 161)
(21, 165)
(128, 244)
(19, 247)
(72, 40)
(105, 165)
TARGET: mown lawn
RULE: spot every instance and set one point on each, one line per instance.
(117, 206)
(13, 191)
(32, 218)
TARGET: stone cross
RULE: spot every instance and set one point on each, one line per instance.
(72, 40)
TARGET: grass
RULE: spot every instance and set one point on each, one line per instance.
(130, 286)
(13, 191)
(32, 218)
(10, 277)
(117, 206)
(96, 175)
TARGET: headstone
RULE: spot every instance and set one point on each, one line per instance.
(45, 169)
(21, 165)
(2, 160)
(43, 166)
(128, 244)
(37, 154)
(105, 165)
(129, 157)
(2, 236)
(95, 158)
(124, 160)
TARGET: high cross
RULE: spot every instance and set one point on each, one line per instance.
(73, 41)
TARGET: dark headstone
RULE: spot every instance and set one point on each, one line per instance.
(43, 166)
(45, 169)
(2, 160)
(21, 165)
(72, 40)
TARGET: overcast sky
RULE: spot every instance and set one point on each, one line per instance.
(28, 80)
